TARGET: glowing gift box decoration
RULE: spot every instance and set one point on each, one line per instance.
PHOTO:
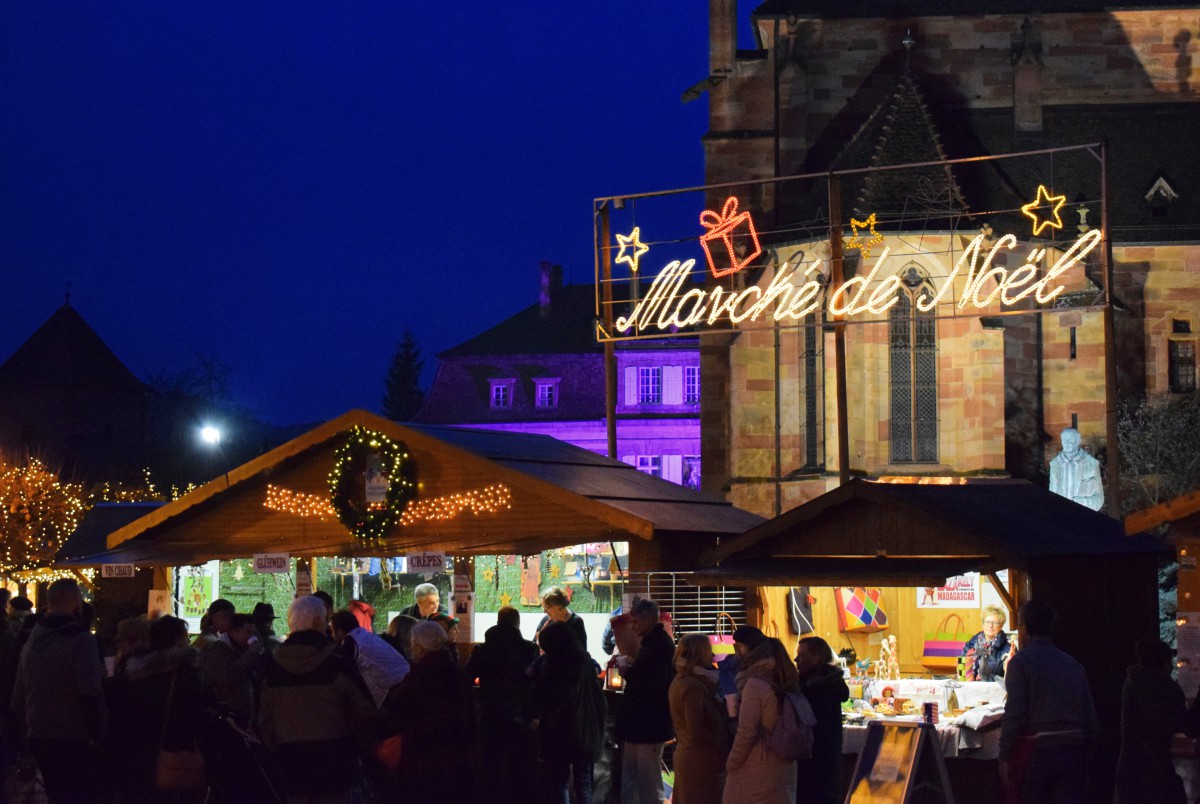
(728, 227)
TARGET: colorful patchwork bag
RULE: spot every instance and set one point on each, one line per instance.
(860, 610)
(943, 646)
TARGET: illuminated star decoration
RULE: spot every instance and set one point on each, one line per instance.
(555, 571)
(855, 240)
(505, 600)
(631, 241)
(488, 574)
(1043, 200)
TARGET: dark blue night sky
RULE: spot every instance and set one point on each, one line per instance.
(287, 187)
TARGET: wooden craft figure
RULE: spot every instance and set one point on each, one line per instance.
(893, 669)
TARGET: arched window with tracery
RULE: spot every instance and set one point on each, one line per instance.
(912, 364)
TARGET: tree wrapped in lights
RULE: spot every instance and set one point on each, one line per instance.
(37, 514)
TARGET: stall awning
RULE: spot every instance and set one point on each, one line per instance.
(916, 534)
(560, 495)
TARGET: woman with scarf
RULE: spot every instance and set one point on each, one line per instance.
(756, 774)
(986, 654)
(701, 740)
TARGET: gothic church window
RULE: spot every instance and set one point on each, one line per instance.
(912, 365)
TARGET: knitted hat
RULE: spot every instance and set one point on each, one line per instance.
(749, 636)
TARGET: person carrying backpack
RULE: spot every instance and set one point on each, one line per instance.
(762, 763)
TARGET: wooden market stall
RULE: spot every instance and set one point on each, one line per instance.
(898, 536)
(478, 492)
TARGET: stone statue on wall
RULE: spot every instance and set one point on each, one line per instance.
(1076, 475)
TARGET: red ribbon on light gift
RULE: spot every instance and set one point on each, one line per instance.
(723, 226)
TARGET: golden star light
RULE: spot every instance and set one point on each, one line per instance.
(1044, 200)
(633, 242)
(855, 240)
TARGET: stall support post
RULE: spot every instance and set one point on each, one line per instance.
(306, 581)
(836, 278)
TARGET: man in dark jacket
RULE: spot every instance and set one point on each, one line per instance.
(499, 664)
(644, 714)
(58, 697)
(311, 710)
(230, 666)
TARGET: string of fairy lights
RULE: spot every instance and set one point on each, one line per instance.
(487, 500)
(37, 514)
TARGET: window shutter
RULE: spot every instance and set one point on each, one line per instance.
(631, 385)
(629, 459)
(672, 385)
(673, 467)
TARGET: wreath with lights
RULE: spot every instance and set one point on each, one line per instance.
(347, 482)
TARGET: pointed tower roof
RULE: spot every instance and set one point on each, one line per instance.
(901, 131)
(66, 352)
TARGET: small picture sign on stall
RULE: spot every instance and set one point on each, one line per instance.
(270, 563)
(427, 564)
(117, 571)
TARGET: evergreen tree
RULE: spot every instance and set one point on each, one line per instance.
(403, 396)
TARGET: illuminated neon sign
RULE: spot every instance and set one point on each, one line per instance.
(794, 293)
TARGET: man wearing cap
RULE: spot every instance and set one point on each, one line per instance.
(214, 623)
(229, 666)
(264, 622)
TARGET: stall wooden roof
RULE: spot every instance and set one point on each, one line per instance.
(916, 534)
(561, 495)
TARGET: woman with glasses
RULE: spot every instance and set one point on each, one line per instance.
(986, 654)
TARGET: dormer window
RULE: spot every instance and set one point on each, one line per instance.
(547, 393)
(1160, 196)
(502, 394)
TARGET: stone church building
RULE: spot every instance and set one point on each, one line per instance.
(936, 387)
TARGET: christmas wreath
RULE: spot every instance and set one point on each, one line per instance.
(365, 450)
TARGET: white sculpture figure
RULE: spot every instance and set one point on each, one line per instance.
(1076, 475)
(888, 666)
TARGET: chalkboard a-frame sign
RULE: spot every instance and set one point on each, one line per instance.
(901, 762)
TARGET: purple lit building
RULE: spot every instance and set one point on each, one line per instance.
(542, 371)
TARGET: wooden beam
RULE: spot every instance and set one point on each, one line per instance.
(1004, 594)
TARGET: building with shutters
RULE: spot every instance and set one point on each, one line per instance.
(542, 371)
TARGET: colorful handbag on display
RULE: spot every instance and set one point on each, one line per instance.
(722, 644)
(860, 610)
(944, 646)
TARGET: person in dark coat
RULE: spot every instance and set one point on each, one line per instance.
(156, 701)
(822, 683)
(570, 731)
(644, 714)
(311, 711)
(499, 666)
(1153, 708)
(431, 709)
(557, 607)
(58, 697)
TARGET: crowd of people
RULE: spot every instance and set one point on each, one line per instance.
(337, 713)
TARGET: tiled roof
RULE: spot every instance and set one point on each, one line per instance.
(891, 9)
(567, 328)
(66, 352)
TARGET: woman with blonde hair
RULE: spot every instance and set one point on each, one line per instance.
(985, 655)
(701, 740)
(756, 774)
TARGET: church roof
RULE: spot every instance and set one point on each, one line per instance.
(66, 352)
(900, 131)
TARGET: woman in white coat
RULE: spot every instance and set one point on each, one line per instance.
(756, 774)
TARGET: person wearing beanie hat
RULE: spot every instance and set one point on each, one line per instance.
(745, 639)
